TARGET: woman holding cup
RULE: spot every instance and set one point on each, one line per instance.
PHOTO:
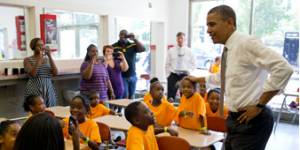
(40, 66)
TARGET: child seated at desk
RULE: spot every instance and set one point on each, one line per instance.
(148, 96)
(212, 105)
(43, 132)
(164, 112)
(141, 135)
(35, 104)
(89, 129)
(202, 90)
(98, 110)
(8, 133)
(192, 101)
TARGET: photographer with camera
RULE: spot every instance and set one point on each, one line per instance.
(115, 63)
(129, 50)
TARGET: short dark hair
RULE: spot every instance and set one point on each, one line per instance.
(217, 58)
(224, 12)
(132, 111)
(180, 34)
(91, 92)
(153, 81)
(105, 47)
(217, 90)
(122, 31)
(4, 126)
(86, 98)
(33, 43)
(195, 84)
(29, 100)
(41, 131)
(87, 57)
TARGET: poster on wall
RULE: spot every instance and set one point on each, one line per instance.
(21, 39)
(49, 31)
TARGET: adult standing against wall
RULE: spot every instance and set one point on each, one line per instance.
(115, 67)
(180, 62)
(246, 62)
(129, 49)
(40, 68)
(95, 75)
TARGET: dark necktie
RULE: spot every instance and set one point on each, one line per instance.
(223, 71)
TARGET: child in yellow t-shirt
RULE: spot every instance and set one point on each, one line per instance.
(88, 127)
(202, 90)
(164, 112)
(148, 96)
(141, 135)
(98, 110)
(35, 104)
(192, 101)
(212, 105)
(216, 67)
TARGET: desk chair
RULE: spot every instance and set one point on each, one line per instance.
(216, 124)
(101, 102)
(286, 94)
(140, 90)
(104, 133)
(172, 143)
(50, 112)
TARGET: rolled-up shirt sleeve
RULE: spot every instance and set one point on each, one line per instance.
(265, 58)
(213, 80)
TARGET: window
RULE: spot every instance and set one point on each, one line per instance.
(12, 42)
(2, 52)
(141, 29)
(76, 31)
(278, 28)
(201, 42)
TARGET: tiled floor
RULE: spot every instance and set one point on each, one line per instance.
(286, 137)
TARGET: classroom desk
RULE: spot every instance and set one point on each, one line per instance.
(114, 122)
(120, 102)
(194, 138)
(2, 119)
(69, 145)
(60, 111)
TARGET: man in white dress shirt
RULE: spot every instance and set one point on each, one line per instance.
(247, 86)
(181, 61)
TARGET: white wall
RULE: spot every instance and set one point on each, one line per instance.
(179, 19)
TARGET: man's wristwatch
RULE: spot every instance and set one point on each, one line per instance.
(260, 106)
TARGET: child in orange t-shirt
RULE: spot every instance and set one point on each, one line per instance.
(202, 88)
(192, 101)
(141, 135)
(216, 67)
(148, 97)
(8, 133)
(98, 110)
(35, 104)
(88, 127)
(164, 112)
(212, 105)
